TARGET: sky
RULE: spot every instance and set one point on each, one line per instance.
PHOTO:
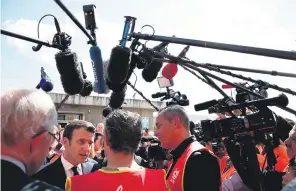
(258, 23)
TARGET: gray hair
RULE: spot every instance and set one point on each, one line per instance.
(172, 111)
(25, 112)
(123, 129)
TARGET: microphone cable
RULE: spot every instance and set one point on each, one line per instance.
(142, 95)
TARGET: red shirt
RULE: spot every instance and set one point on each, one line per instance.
(122, 180)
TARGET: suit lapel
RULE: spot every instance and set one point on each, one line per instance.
(60, 174)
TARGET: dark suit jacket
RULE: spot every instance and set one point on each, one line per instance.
(54, 173)
(14, 179)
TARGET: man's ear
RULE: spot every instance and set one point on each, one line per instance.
(176, 122)
(105, 138)
(66, 142)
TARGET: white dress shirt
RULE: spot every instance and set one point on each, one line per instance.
(67, 167)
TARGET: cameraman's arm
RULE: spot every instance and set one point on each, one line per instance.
(202, 173)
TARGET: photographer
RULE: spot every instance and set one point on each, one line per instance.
(193, 167)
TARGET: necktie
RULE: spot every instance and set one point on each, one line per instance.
(74, 169)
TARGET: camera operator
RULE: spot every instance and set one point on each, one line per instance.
(193, 167)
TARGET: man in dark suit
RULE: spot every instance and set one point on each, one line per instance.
(78, 137)
(28, 128)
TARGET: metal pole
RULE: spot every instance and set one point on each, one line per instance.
(220, 46)
(18, 36)
(74, 19)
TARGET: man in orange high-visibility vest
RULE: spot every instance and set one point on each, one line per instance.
(193, 167)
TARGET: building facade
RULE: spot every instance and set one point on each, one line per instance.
(90, 109)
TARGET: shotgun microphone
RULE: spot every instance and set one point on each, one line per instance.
(70, 71)
(97, 64)
(87, 85)
(152, 68)
(118, 67)
(205, 105)
(159, 94)
(117, 98)
(106, 111)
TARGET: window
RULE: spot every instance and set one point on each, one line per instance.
(69, 116)
(61, 117)
(74, 116)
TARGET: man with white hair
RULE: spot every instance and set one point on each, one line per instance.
(28, 128)
(291, 151)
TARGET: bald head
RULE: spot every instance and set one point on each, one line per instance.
(24, 113)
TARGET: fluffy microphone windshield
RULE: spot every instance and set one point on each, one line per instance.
(120, 87)
(87, 88)
(150, 72)
(70, 71)
(117, 98)
(119, 65)
(106, 111)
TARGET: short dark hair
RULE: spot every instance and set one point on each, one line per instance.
(97, 135)
(124, 130)
(172, 111)
(78, 124)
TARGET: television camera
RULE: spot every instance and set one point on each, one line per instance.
(237, 126)
(176, 97)
(151, 151)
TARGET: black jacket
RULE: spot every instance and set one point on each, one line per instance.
(54, 173)
(14, 179)
(202, 170)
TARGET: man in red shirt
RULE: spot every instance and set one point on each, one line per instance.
(122, 135)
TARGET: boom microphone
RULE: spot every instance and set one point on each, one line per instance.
(87, 85)
(159, 94)
(70, 71)
(118, 67)
(45, 83)
(171, 69)
(152, 68)
(97, 64)
(117, 98)
(205, 105)
(87, 88)
(106, 111)
(281, 100)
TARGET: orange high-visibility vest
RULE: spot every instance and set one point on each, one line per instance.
(176, 177)
(55, 157)
(228, 173)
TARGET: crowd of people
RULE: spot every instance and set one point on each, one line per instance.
(38, 154)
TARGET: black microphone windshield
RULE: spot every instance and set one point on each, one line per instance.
(70, 71)
(150, 72)
(87, 88)
(106, 111)
(119, 65)
(117, 98)
(159, 94)
(119, 87)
